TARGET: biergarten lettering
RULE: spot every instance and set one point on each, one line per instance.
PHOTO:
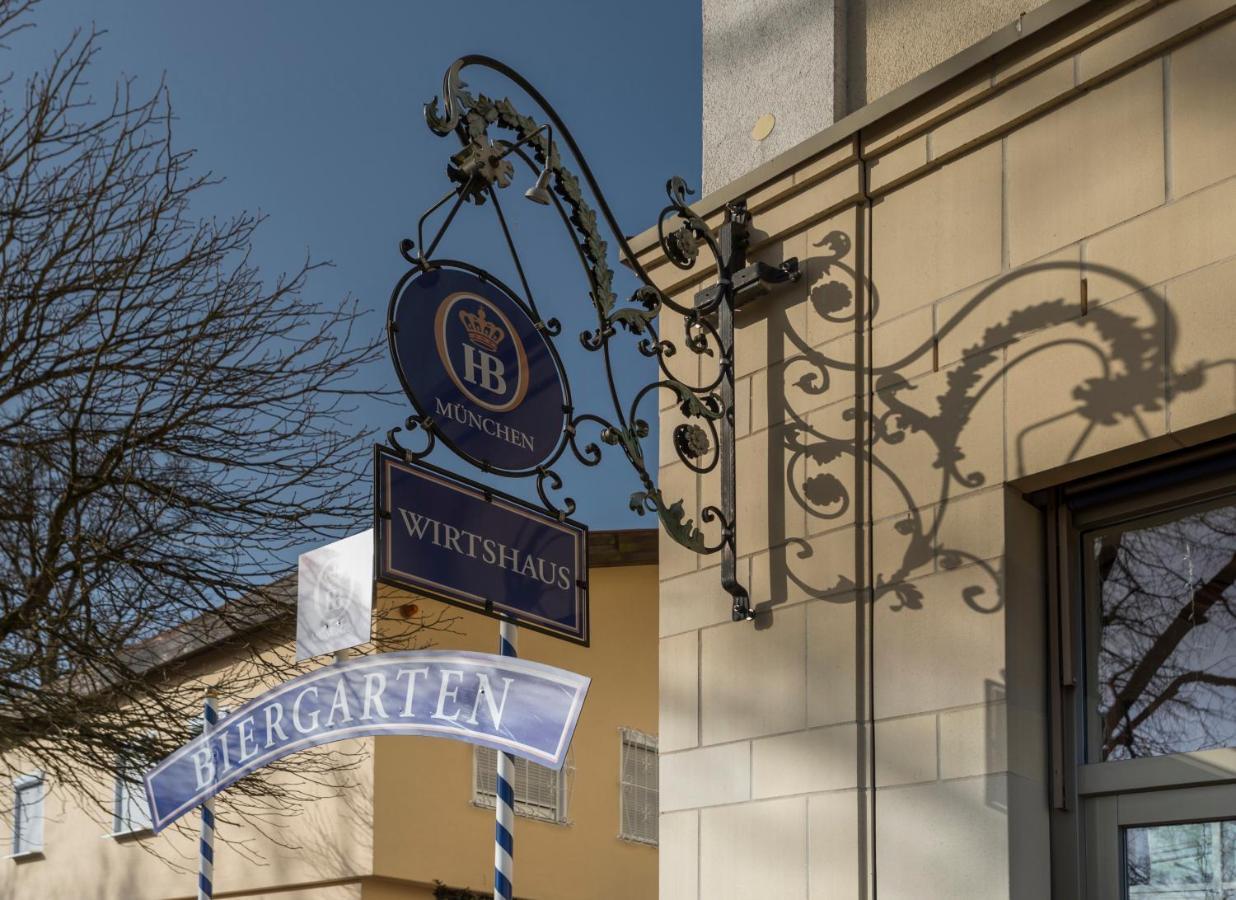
(515, 705)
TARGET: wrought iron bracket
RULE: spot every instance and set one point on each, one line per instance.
(479, 171)
(751, 283)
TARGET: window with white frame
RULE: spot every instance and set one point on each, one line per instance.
(28, 794)
(638, 806)
(540, 793)
(130, 809)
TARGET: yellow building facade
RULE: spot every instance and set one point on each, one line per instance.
(412, 818)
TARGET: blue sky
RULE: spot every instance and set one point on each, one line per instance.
(311, 111)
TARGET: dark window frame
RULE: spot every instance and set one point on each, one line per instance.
(1093, 802)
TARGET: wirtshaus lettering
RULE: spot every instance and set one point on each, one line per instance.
(464, 416)
(485, 550)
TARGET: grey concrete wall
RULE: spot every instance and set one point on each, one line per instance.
(767, 56)
(810, 62)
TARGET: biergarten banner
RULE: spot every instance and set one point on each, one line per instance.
(514, 705)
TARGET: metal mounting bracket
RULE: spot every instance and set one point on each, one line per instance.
(738, 284)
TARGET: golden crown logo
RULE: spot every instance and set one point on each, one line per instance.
(481, 331)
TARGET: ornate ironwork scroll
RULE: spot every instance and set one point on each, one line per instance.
(705, 441)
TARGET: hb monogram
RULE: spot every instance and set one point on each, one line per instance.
(481, 366)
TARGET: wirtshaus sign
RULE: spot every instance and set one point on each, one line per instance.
(514, 705)
(469, 545)
(471, 357)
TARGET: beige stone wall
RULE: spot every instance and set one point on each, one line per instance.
(1035, 283)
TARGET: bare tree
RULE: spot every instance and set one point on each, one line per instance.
(1166, 672)
(172, 428)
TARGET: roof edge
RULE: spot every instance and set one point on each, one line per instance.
(1026, 26)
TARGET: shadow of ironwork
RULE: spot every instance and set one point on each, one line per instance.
(822, 469)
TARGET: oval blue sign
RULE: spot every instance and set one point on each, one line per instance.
(471, 358)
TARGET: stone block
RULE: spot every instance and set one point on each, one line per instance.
(679, 692)
(832, 845)
(831, 661)
(823, 759)
(939, 645)
(920, 829)
(1202, 116)
(753, 679)
(697, 600)
(820, 566)
(974, 741)
(1094, 162)
(677, 482)
(1003, 109)
(826, 465)
(945, 437)
(1087, 387)
(1076, 37)
(1146, 35)
(1192, 232)
(768, 511)
(998, 312)
(896, 164)
(742, 405)
(905, 750)
(678, 854)
(684, 365)
(796, 388)
(883, 136)
(902, 349)
(809, 205)
(829, 161)
(755, 850)
(902, 547)
(836, 250)
(705, 777)
(937, 234)
(967, 529)
(1201, 346)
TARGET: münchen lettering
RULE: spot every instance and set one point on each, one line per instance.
(487, 550)
(465, 416)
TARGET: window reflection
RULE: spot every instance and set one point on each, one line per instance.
(1166, 660)
(1196, 861)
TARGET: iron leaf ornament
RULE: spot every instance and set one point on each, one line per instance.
(495, 137)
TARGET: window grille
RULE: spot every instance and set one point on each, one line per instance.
(28, 793)
(639, 807)
(540, 792)
(130, 809)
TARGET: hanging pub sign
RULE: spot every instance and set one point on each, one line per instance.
(464, 543)
(515, 705)
(472, 359)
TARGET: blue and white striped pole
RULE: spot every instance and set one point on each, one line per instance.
(504, 806)
(206, 867)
